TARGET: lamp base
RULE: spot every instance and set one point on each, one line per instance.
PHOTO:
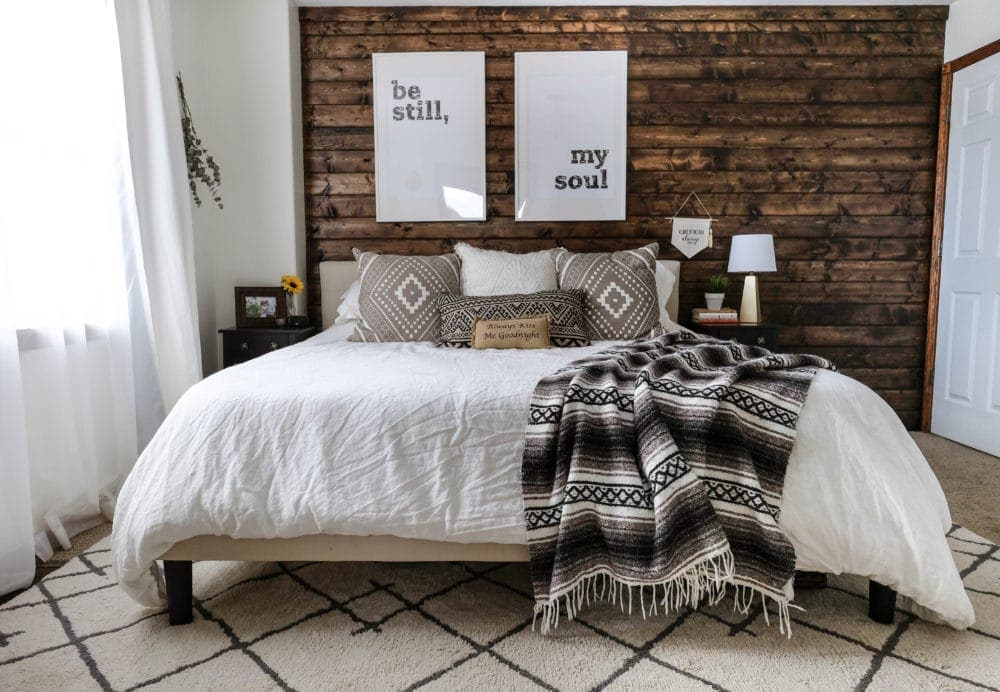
(750, 307)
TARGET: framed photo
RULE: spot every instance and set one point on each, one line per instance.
(259, 306)
(570, 132)
(430, 136)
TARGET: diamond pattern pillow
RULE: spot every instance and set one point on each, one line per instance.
(494, 272)
(399, 295)
(619, 290)
(564, 308)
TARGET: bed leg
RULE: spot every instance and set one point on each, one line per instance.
(881, 603)
(810, 580)
(177, 574)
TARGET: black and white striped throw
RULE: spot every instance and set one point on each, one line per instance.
(653, 473)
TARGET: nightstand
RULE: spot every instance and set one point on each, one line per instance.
(765, 335)
(241, 345)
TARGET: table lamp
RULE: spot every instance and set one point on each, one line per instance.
(751, 253)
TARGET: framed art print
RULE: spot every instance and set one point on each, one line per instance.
(570, 132)
(259, 306)
(430, 136)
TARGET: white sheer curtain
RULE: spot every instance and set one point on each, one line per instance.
(81, 365)
(159, 175)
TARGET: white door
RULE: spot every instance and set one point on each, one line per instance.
(967, 371)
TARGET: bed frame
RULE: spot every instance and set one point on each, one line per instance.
(335, 278)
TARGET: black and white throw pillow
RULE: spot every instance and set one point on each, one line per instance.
(564, 309)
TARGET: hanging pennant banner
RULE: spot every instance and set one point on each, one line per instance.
(691, 235)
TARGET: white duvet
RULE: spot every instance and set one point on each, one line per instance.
(410, 440)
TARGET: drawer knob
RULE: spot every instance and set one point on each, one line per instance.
(244, 345)
(274, 345)
(761, 340)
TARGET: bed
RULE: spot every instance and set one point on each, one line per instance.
(337, 451)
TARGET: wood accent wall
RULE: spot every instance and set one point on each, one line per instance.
(818, 125)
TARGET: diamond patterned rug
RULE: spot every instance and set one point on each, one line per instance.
(468, 626)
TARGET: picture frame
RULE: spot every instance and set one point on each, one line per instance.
(570, 131)
(430, 136)
(260, 306)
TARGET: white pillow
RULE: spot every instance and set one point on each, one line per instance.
(493, 272)
(665, 281)
(349, 309)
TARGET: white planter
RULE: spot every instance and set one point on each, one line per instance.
(713, 301)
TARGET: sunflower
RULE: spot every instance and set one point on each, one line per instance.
(292, 284)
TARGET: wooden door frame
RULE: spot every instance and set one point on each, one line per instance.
(948, 71)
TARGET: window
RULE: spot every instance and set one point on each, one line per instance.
(63, 163)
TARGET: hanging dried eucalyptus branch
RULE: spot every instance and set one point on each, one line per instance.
(201, 166)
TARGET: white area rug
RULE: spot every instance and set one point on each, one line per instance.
(454, 626)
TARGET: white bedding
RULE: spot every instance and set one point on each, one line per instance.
(410, 440)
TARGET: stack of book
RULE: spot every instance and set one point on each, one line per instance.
(720, 316)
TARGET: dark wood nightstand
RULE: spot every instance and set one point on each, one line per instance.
(765, 335)
(241, 345)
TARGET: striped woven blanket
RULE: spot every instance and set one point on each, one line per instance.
(653, 473)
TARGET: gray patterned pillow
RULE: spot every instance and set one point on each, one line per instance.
(619, 289)
(399, 295)
(564, 308)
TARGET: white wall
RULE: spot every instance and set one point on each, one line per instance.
(971, 25)
(239, 62)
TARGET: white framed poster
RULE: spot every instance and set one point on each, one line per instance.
(570, 131)
(430, 136)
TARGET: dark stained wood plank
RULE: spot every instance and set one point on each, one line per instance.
(321, 175)
(400, 27)
(749, 44)
(881, 235)
(870, 358)
(722, 138)
(622, 13)
(886, 378)
(899, 335)
(844, 313)
(340, 206)
(501, 158)
(780, 159)
(793, 91)
(726, 68)
(787, 137)
(790, 118)
(789, 247)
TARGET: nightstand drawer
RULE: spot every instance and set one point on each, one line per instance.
(763, 335)
(241, 346)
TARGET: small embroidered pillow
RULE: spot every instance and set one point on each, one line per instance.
(524, 332)
(619, 290)
(563, 308)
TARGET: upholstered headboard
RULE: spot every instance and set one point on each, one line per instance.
(335, 277)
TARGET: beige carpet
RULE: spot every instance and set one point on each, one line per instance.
(454, 626)
(971, 482)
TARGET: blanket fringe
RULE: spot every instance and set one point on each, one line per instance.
(707, 580)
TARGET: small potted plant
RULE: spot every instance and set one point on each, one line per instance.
(717, 285)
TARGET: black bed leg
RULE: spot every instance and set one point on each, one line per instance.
(881, 603)
(178, 576)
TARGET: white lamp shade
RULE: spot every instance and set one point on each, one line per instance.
(752, 253)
